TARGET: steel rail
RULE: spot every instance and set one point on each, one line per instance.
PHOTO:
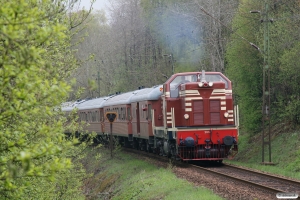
(229, 176)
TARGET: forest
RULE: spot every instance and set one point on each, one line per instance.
(52, 51)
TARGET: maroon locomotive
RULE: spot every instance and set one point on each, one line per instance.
(190, 117)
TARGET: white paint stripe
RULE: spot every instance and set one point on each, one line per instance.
(169, 113)
(218, 91)
(169, 117)
(188, 104)
(169, 122)
(205, 128)
(223, 108)
(230, 120)
(230, 115)
(230, 111)
(217, 97)
(223, 103)
(188, 109)
(192, 98)
(191, 92)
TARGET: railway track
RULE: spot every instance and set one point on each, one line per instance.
(268, 182)
(271, 184)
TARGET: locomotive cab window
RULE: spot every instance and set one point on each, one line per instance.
(214, 78)
(174, 85)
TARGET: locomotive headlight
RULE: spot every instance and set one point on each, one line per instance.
(186, 116)
(210, 84)
(226, 114)
(200, 84)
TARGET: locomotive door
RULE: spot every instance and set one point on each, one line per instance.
(138, 118)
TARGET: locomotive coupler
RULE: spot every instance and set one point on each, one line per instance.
(207, 148)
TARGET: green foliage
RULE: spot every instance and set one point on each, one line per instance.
(288, 93)
(125, 177)
(244, 68)
(285, 152)
(245, 65)
(35, 57)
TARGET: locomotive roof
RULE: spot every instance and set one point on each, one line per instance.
(153, 93)
(92, 103)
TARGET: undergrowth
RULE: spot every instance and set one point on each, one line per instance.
(285, 153)
(124, 177)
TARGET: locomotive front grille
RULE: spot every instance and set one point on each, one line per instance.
(198, 112)
(214, 108)
(201, 153)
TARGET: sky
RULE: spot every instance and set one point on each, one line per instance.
(98, 5)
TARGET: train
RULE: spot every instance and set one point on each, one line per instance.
(190, 117)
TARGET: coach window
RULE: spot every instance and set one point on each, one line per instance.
(141, 111)
(128, 113)
(94, 116)
(121, 113)
(102, 116)
(133, 112)
(124, 113)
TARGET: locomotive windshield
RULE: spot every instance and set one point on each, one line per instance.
(180, 79)
(214, 78)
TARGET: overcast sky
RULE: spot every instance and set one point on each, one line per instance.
(98, 5)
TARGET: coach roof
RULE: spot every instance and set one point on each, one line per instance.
(92, 103)
(120, 99)
(153, 93)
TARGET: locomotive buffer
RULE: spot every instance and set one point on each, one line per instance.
(111, 117)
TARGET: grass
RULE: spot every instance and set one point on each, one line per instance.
(125, 177)
(285, 154)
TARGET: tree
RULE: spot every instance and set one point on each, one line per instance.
(35, 58)
(244, 67)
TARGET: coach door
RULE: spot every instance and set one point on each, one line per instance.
(138, 118)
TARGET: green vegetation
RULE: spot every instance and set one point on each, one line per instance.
(35, 57)
(245, 68)
(245, 64)
(285, 154)
(125, 177)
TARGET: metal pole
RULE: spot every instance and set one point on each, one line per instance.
(266, 119)
(99, 83)
(110, 141)
(172, 63)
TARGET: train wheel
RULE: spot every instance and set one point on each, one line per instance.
(149, 148)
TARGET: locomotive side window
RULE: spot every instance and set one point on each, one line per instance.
(174, 93)
(149, 112)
